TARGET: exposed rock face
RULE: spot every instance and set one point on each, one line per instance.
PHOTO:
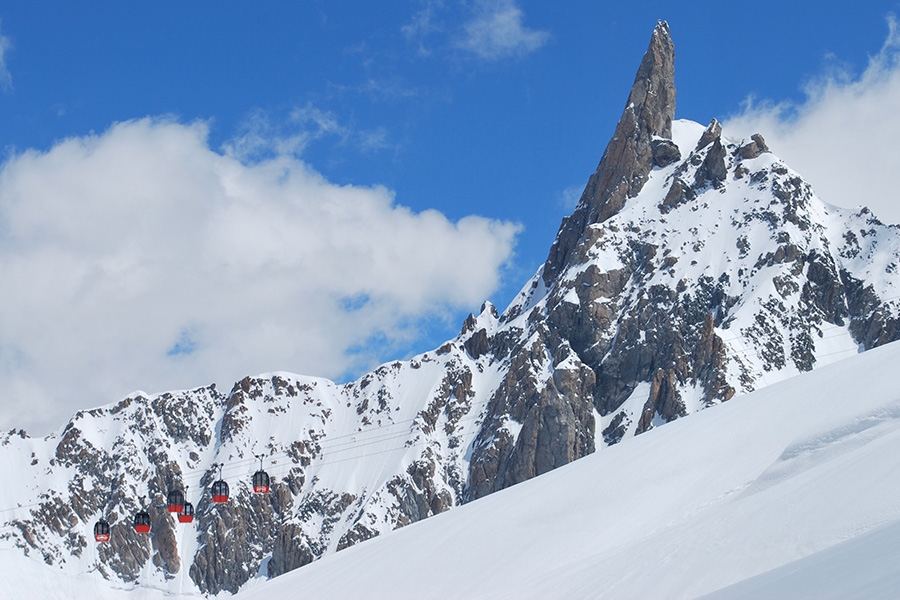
(554, 417)
(628, 158)
(695, 268)
(713, 170)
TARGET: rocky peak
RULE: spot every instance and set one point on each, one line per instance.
(629, 157)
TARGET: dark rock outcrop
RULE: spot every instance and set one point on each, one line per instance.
(713, 132)
(665, 152)
(753, 148)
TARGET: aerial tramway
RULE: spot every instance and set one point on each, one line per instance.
(261, 479)
(142, 521)
(177, 504)
(219, 489)
(101, 531)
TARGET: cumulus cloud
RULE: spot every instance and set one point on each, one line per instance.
(843, 138)
(142, 259)
(497, 31)
(5, 76)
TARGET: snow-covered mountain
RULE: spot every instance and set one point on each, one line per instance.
(787, 492)
(695, 268)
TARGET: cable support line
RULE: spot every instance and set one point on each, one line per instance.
(327, 444)
(346, 447)
(349, 458)
(235, 464)
(838, 352)
(353, 441)
(392, 424)
(25, 506)
(354, 447)
(749, 353)
(318, 464)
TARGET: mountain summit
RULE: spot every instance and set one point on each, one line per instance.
(695, 267)
(638, 143)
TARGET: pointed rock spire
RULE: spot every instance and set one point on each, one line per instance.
(629, 157)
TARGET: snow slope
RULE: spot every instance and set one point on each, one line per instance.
(762, 481)
(867, 566)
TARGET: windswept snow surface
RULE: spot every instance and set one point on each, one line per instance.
(867, 566)
(788, 472)
(24, 578)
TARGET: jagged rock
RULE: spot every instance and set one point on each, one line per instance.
(760, 142)
(557, 425)
(478, 344)
(628, 158)
(290, 551)
(678, 194)
(164, 541)
(665, 152)
(753, 148)
(663, 400)
(710, 363)
(713, 170)
(713, 132)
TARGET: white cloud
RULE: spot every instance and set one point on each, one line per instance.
(141, 258)
(423, 24)
(844, 138)
(261, 137)
(568, 198)
(5, 76)
(497, 31)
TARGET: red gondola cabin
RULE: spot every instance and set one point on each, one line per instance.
(187, 513)
(101, 531)
(261, 482)
(220, 491)
(142, 522)
(176, 501)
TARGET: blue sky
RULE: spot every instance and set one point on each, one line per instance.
(411, 114)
